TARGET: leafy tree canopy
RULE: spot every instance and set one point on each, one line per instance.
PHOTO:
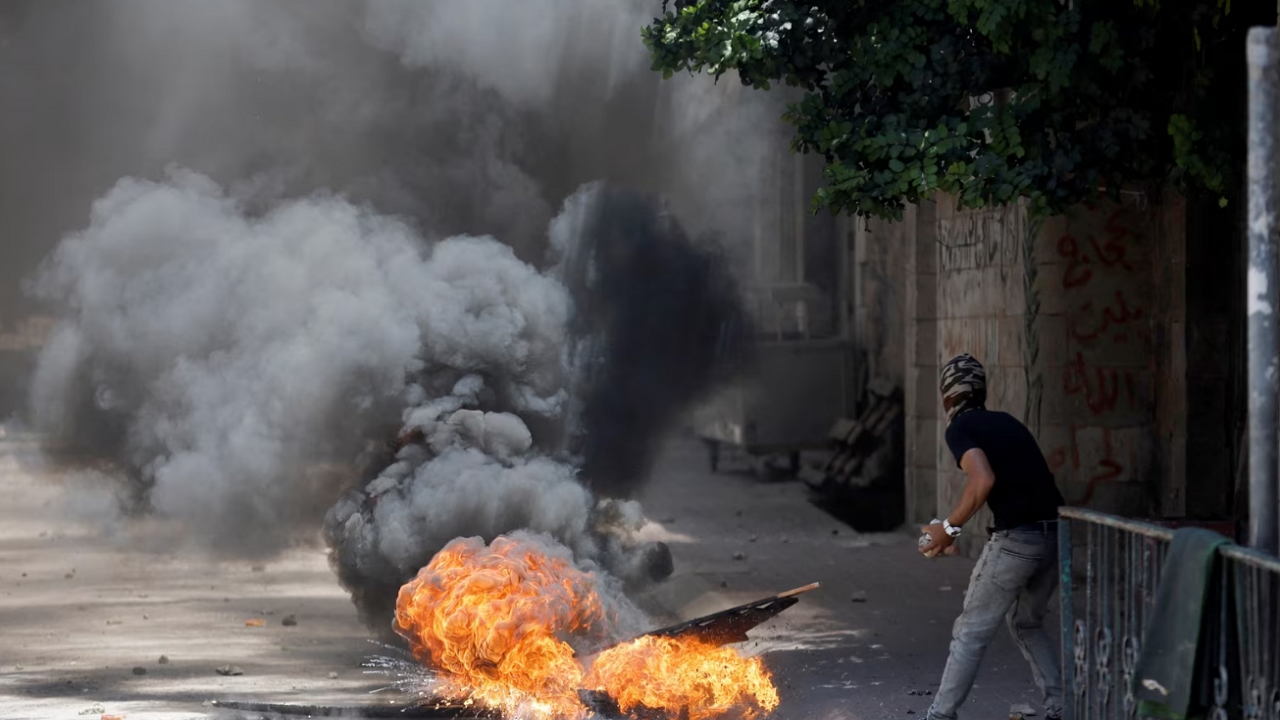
(989, 100)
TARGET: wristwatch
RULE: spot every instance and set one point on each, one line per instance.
(949, 529)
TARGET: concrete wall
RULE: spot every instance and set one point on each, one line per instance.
(920, 322)
(1080, 322)
(892, 286)
(1063, 316)
(880, 272)
(982, 310)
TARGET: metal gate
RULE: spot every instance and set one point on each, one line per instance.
(1109, 586)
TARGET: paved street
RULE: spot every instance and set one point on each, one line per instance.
(78, 613)
(834, 658)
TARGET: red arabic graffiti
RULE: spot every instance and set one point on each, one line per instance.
(1100, 386)
(1117, 230)
(1087, 327)
(1109, 251)
(1099, 321)
(1107, 469)
(1057, 459)
(1077, 272)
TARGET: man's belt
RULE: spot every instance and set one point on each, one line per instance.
(1039, 525)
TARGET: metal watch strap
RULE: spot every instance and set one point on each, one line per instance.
(951, 530)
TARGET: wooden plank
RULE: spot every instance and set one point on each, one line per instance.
(812, 476)
(849, 458)
(855, 434)
(841, 429)
(889, 417)
(856, 427)
(800, 590)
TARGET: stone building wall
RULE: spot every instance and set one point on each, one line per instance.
(1080, 322)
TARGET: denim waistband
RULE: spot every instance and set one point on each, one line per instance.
(1040, 527)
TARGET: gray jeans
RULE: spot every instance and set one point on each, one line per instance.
(1013, 581)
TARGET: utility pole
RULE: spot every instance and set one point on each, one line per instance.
(1263, 288)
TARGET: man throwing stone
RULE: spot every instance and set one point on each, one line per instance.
(1017, 573)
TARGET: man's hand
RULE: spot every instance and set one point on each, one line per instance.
(939, 540)
(979, 479)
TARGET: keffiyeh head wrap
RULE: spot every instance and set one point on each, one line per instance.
(963, 385)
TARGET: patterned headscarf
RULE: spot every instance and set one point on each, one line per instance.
(963, 385)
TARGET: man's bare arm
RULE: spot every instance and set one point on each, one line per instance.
(978, 483)
(979, 479)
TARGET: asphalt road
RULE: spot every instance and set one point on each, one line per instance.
(871, 642)
(87, 610)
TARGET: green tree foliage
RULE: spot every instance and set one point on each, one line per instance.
(989, 100)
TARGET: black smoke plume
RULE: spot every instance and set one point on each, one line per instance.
(655, 322)
(660, 323)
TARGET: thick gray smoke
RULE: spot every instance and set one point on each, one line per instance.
(220, 347)
(655, 322)
(530, 54)
(359, 251)
(474, 117)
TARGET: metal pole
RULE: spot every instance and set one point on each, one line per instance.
(1263, 288)
(1067, 616)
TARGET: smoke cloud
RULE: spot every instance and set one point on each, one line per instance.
(338, 225)
(465, 118)
(631, 363)
(531, 55)
(658, 323)
(241, 364)
(232, 355)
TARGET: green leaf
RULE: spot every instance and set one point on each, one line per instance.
(884, 88)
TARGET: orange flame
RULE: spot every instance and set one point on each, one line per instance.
(494, 622)
(490, 620)
(674, 674)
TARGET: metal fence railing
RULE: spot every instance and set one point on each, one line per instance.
(1255, 578)
(1104, 620)
(1107, 603)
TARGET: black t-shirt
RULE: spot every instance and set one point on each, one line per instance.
(1024, 490)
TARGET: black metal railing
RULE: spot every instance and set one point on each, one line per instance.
(1255, 578)
(1107, 603)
